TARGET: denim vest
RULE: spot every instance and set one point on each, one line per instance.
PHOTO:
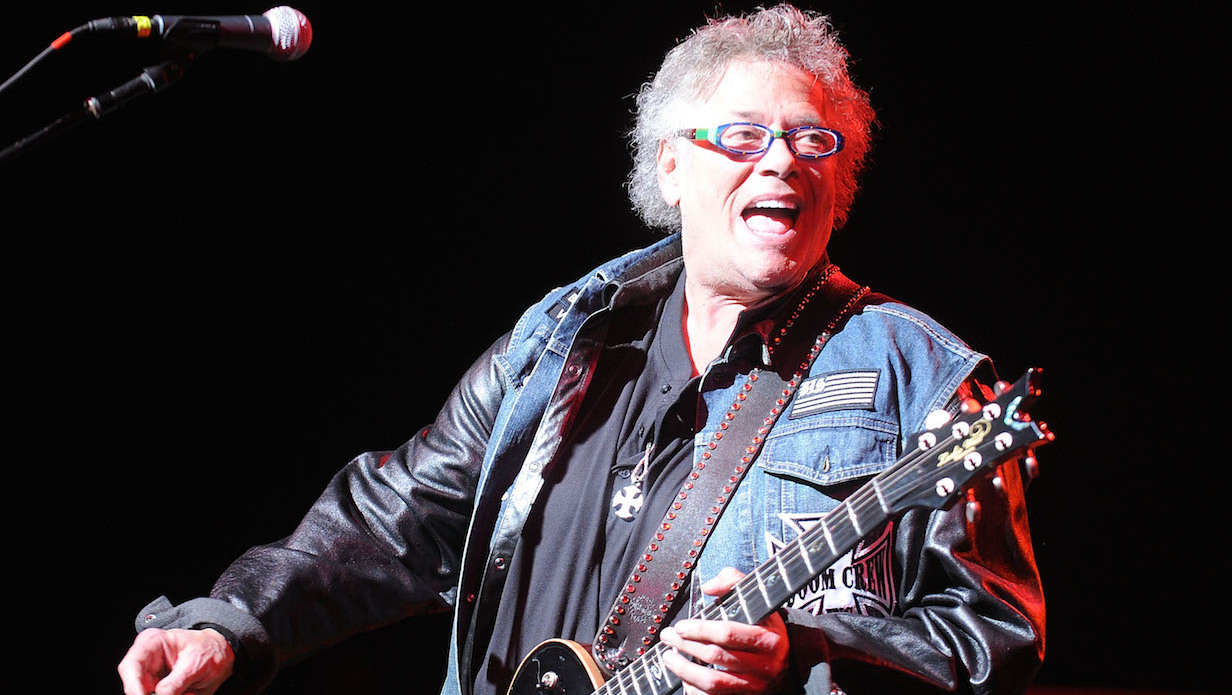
(906, 364)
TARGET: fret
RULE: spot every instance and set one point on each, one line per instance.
(665, 676)
(653, 671)
(825, 529)
(804, 553)
(765, 590)
(855, 520)
(634, 677)
(743, 605)
(885, 506)
(775, 581)
(778, 560)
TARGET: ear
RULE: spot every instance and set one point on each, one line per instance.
(669, 173)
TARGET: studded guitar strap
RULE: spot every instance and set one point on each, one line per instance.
(660, 580)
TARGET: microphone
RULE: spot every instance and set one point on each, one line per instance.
(282, 33)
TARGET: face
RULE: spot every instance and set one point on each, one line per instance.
(752, 227)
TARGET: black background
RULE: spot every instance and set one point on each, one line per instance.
(219, 294)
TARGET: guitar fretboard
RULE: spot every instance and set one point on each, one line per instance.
(789, 570)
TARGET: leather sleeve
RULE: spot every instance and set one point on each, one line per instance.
(382, 542)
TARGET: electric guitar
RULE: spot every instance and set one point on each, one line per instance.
(946, 460)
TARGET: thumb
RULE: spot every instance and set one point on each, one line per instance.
(174, 683)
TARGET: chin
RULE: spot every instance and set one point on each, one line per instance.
(777, 277)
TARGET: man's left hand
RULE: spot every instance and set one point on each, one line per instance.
(750, 658)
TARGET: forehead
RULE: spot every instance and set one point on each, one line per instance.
(766, 91)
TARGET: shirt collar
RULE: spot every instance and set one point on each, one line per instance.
(757, 325)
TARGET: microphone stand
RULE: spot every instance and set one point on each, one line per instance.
(151, 80)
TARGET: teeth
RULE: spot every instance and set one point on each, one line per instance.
(774, 204)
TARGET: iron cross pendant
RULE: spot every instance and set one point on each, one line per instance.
(628, 499)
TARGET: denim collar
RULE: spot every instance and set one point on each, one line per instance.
(648, 275)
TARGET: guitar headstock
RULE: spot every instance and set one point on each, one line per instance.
(951, 456)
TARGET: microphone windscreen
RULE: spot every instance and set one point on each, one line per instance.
(292, 32)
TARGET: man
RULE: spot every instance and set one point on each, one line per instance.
(535, 503)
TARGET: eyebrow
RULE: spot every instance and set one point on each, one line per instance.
(756, 116)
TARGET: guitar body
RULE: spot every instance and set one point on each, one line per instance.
(557, 666)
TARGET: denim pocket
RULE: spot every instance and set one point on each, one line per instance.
(810, 466)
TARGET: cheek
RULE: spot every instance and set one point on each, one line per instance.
(709, 182)
(700, 199)
(823, 185)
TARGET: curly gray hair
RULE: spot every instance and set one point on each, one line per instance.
(692, 70)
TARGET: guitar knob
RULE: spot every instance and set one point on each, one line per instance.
(549, 681)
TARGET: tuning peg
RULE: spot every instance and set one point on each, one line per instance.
(970, 405)
(936, 419)
(973, 512)
(972, 508)
(1031, 464)
(998, 483)
(1001, 387)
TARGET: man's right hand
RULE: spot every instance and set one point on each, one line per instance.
(176, 662)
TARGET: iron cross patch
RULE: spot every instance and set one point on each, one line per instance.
(861, 581)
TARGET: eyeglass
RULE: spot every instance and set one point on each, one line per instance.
(806, 141)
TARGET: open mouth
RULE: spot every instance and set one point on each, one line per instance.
(771, 216)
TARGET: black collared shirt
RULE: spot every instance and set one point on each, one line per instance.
(577, 550)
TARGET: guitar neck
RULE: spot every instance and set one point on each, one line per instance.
(768, 587)
(792, 568)
(795, 565)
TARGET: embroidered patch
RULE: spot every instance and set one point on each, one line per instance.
(849, 390)
(557, 310)
(860, 581)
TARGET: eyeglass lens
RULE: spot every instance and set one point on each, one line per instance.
(750, 138)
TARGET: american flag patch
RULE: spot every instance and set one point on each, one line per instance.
(848, 390)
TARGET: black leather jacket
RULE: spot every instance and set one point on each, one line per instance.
(426, 527)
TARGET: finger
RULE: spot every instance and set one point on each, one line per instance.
(766, 637)
(144, 664)
(203, 660)
(709, 653)
(699, 679)
(722, 582)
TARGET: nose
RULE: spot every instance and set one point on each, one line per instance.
(778, 160)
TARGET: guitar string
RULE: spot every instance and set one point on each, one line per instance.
(794, 557)
(628, 676)
(790, 557)
(863, 501)
(860, 504)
